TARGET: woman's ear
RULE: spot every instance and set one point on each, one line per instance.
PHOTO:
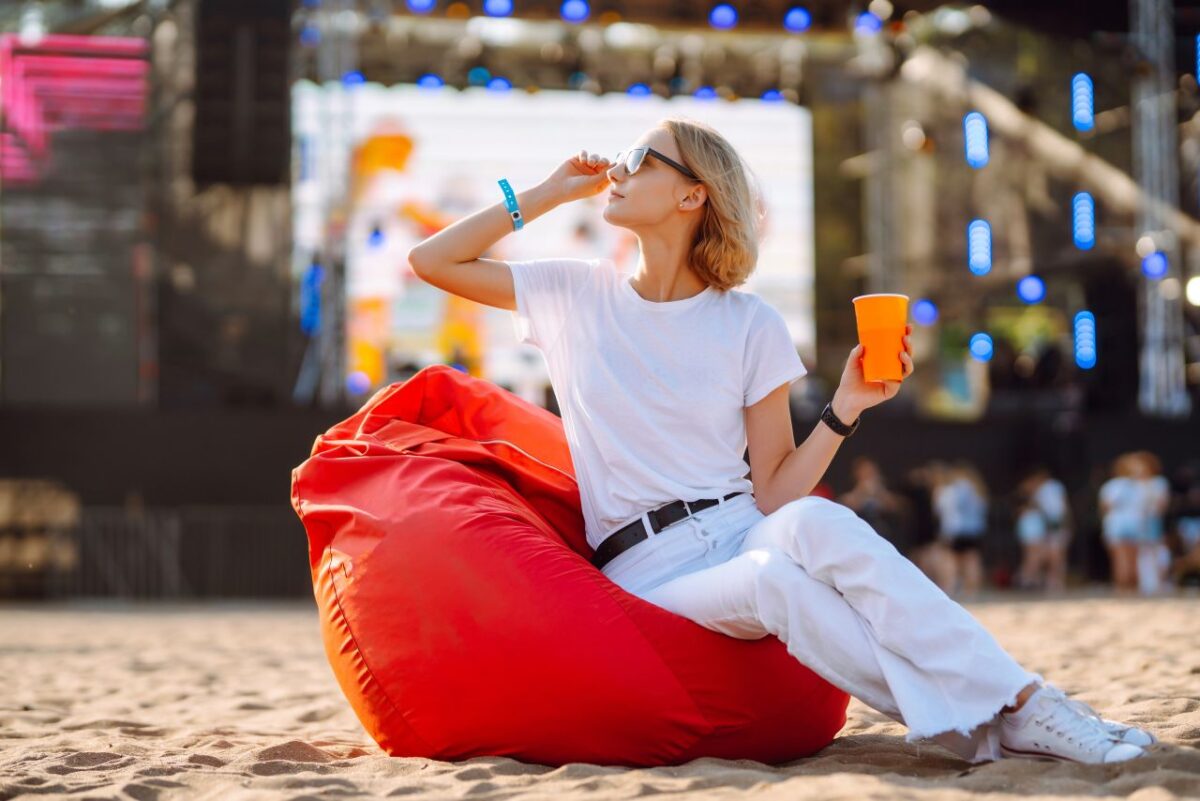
(695, 199)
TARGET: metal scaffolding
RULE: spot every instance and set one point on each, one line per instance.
(1162, 388)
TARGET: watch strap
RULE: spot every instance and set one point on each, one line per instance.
(830, 419)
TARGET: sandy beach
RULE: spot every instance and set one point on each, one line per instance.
(232, 701)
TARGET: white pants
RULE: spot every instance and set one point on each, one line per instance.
(846, 604)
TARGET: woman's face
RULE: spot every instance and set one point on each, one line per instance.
(653, 194)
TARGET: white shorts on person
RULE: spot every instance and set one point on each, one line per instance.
(846, 604)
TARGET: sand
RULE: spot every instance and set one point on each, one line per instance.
(231, 701)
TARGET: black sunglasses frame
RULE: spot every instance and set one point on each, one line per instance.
(624, 156)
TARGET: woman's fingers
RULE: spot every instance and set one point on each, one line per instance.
(592, 159)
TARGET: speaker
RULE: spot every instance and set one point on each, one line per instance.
(242, 129)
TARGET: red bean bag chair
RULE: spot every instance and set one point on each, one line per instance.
(462, 617)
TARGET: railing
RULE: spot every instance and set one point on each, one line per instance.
(181, 552)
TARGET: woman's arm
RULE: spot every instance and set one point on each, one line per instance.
(801, 469)
(450, 259)
(469, 238)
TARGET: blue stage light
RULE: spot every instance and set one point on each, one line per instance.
(421, 6)
(705, 93)
(975, 135)
(310, 299)
(772, 95)
(1155, 265)
(867, 23)
(797, 19)
(499, 84)
(376, 238)
(1083, 220)
(1085, 340)
(723, 16)
(1083, 110)
(979, 247)
(430, 81)
(1031, 289)
(981, 347)
(478, 76)
(574, 10)
(497, 8)
(310, 35)
(925, 312)
(353, 78)
(358, 382)
(638, 89)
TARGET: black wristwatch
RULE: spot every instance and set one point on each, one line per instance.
(830, 419)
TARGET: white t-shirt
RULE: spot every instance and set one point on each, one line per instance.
(961, 510)
(1124, 498)
(1051, 498)
(651, 394)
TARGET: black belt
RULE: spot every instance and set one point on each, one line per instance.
(631, 534)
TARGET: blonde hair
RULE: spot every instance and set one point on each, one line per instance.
(1125, 465)
(724, 251)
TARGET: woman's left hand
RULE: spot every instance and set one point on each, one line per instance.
(855, 394)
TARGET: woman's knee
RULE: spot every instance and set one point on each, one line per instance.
(770, 567)
(814, 514)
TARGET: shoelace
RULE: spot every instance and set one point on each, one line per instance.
(1064, 719)
(1082, 708)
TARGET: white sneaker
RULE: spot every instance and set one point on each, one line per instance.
(1123, 732)
(1047, 726)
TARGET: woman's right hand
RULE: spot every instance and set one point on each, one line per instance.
(582, 176)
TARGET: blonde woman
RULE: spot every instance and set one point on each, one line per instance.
(664, 375)
(1121, 520)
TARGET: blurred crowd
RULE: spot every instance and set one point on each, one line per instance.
(944, 517)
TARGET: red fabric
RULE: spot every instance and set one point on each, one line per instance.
(462, 617)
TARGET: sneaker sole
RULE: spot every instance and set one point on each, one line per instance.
(1047, 755)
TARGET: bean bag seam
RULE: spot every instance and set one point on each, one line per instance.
(337, 597)
(612, 589)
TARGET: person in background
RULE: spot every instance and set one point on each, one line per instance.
(1031, 532)
(920, 523)
(961, 503)
(871, 500)
(1185, 519)
(1121, 521)
(1049, 497)
(1153, 558)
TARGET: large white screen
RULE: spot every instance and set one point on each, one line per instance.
(463, 142)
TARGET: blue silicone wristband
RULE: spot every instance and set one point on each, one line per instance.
(510, 202)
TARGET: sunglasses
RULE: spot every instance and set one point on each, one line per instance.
(633, 161)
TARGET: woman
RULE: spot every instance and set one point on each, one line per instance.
(1044, 529)
(664, 376)
(1121, 521)
(1051, 499)
(1031, 533)
(961, 502)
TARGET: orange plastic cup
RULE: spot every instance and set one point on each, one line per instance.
(881, 323)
